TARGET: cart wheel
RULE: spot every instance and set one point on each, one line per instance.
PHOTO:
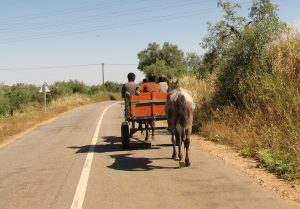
(125, 135)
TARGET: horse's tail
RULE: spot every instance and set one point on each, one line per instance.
(184, 115)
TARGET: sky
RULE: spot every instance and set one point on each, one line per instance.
(58, 40)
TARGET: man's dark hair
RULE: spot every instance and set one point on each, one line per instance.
(162, 79)
(131, 77)
(152, 78)
(145, 80)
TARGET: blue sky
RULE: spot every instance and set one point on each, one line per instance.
(55, 40)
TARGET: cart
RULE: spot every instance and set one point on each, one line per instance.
(141, 110)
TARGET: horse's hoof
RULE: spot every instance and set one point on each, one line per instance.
(187, 164)
(180, 157)
(174, 157)
(181, 164)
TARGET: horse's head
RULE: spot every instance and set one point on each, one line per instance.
(173, 84)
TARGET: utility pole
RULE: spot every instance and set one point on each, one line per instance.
(102, 73)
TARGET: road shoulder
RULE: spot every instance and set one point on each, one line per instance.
(287, 190)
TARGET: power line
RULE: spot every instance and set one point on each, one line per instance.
(65, 66)
(98, 18)
(65, 31)
(108, 26)
(95, 7)
(63, 11)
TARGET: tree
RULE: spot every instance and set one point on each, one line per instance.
(167, 60)
(222, 33)
(263, 10)
(149, 56)
(236, 45)
(195, 65)
(4, 100)
(21, 94)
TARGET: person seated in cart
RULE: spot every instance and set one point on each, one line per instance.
(150, 86)
(130, 87)
(163, 85)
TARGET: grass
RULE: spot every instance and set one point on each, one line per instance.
(34, 114)
(280, 162)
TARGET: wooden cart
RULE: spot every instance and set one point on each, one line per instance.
(141, 110)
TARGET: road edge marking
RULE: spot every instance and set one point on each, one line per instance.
(84, 177)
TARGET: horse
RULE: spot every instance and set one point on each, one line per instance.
(179, 112)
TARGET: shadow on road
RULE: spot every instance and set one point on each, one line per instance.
(112, 144)
(127, 163)
(124, 162)
(164, 145)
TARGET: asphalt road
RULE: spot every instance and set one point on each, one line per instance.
(69, 164)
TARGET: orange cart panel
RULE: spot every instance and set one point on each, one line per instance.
(147, 104)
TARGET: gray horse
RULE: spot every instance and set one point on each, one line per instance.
(179, 111)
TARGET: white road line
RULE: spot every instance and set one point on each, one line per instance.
(82, 184)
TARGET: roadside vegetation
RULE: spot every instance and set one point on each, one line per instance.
(260, 116)
(246, 85)
(21, 105)
(255, 103)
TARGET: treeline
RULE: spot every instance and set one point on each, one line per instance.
(14, 98)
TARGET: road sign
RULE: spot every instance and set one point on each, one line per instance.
(45, 88)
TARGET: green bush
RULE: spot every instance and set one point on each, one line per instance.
(246, 153)
(238, 46)
(280, 162)
(96, 89)
(110, 86)
(4, 101)
(20, 95)
(62, 88)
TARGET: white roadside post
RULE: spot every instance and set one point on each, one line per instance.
(44, 89)
(102, 73)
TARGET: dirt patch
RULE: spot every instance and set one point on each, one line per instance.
(288, 190)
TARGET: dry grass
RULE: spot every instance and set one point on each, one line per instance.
(34, 114)
(202, 92)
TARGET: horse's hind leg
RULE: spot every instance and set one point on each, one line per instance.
(174, 147)
(178, 137)
(187, 146)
